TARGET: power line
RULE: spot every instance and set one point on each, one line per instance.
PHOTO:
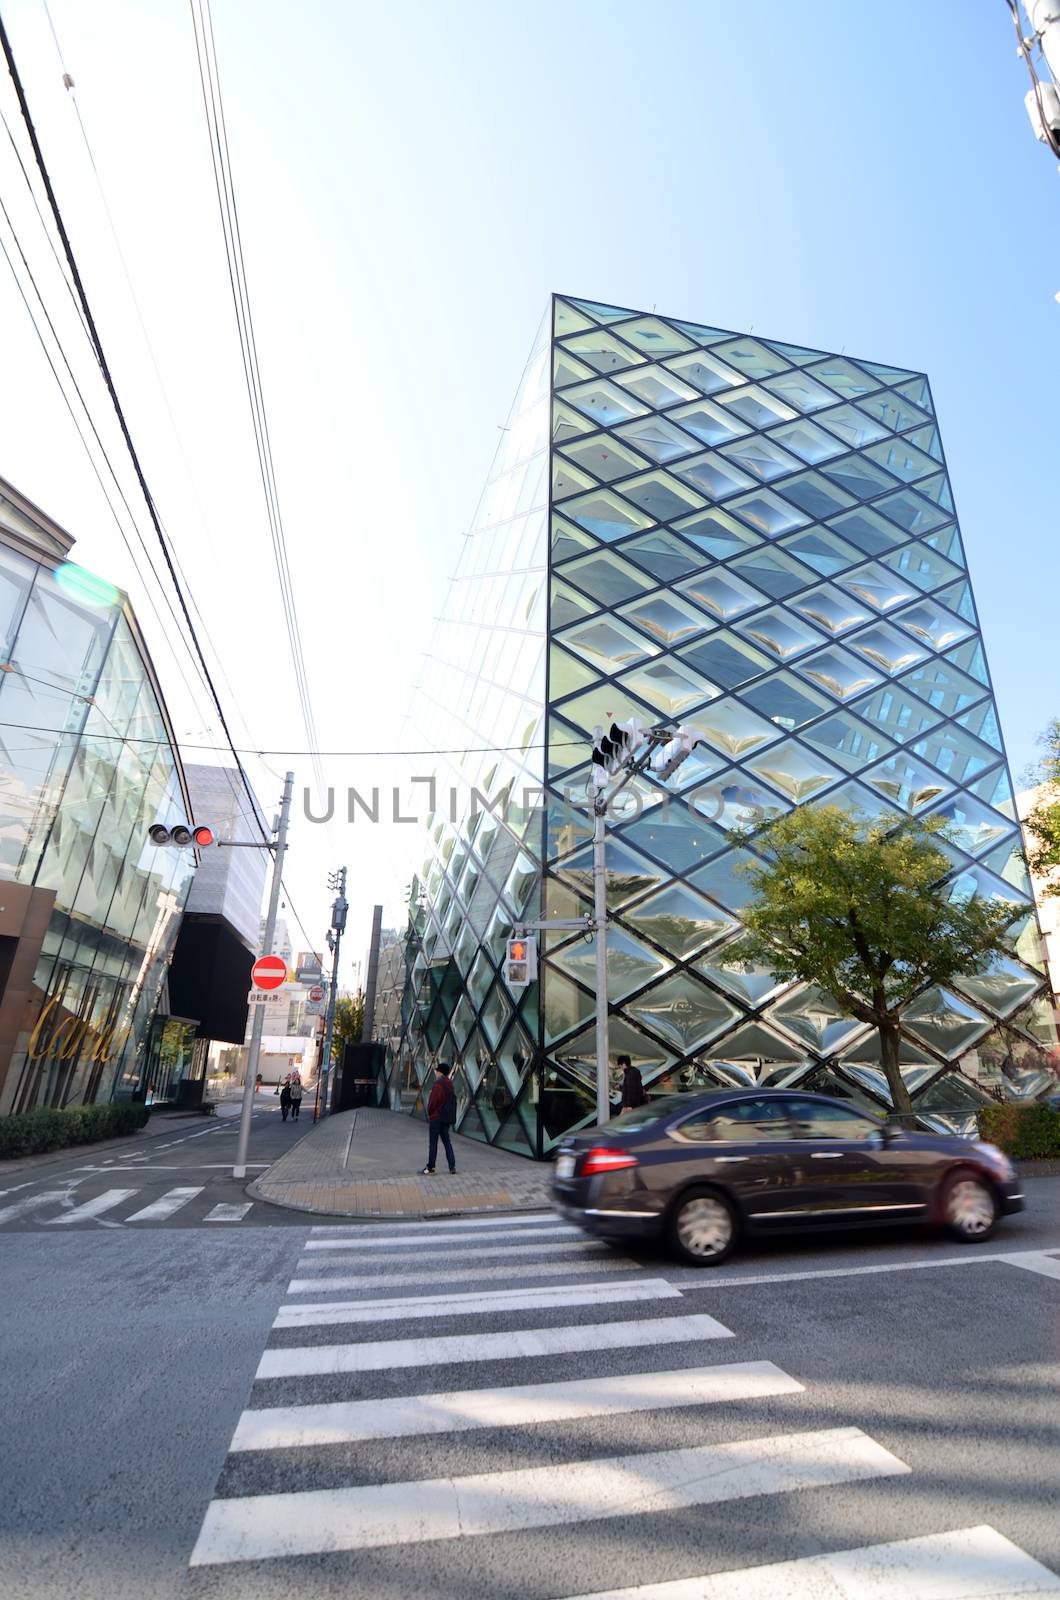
(224, 184)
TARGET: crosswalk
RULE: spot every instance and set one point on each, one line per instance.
(119, 1206)
(564, 1389)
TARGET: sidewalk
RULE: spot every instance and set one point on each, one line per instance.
(366, 1164)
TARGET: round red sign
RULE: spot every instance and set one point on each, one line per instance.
(268, 972)
(316, 994)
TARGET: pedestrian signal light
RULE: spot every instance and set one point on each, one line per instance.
(521, 964)
(181, 835)
(615, 749)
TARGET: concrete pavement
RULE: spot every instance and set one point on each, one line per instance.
(366, 1163)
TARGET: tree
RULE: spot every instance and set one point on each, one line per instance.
(349, 1021)
(1043, 822)
(862, 910)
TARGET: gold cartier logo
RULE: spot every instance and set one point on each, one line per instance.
(73, 1035)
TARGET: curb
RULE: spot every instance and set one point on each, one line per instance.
(392, 1216)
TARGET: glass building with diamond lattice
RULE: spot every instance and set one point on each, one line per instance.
(757, 540)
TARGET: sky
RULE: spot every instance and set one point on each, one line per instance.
(413, 181)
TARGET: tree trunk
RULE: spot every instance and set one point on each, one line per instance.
(890, 1039)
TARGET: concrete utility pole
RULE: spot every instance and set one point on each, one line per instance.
(254, 1052)
(371, 979)
(339, 908)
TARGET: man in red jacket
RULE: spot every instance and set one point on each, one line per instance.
(441, 1114)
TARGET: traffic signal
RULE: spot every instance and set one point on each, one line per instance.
(520, 967)
(180, 835)
(613, 749)
(669, 756)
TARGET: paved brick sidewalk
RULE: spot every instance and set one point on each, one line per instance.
(366, 1164)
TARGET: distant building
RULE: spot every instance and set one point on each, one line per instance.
(1048, 907)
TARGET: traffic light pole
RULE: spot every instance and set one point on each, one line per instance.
(254, 1052)
(603, 1064)
(338, 924)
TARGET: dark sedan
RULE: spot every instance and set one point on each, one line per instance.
(702, 1170)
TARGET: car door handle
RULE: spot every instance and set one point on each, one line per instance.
(826, 1155)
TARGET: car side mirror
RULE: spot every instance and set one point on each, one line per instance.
(890, 1132)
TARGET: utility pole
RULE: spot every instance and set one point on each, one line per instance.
(254, 1052)
(603, 1064)
(339, 908)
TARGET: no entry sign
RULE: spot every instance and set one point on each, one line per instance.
(268, 972)
(316, 994)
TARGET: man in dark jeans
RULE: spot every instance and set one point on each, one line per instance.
(441, 1114)
(632, 1086)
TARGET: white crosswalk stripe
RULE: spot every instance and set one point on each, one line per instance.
(968, 1564)
(165, 1205)
(228, 1213)
(32, 1202)
(464, 1224)
(459, 1410)
(312, 1401)
(90, 1208)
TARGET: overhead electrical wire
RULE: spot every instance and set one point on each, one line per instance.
(213, 106)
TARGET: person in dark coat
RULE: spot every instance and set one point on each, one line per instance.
(285, 1098)
(632, 1086)
(441, 1114)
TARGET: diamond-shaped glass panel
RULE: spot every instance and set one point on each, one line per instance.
(955, 752)
(722, 594)
(784, 635)
(886, 648)
(973, 826)
(726, 660)
(705, 372)
(937, 627)
(1003, 988)
(568, 479)
(757, 406)
(750, 981)
(606, 515)
(907, 784)
(794, 771)
(733, 728)
(893, 411)
(680, 920)
(773, 572)
(944, 687)
(812, 1016)
(566, 675)
(608, 644)
(843, 376)
(605, 403)
(736, 801)
(628, 875)
(566, 1006)
(754, 360)
(630, 964)
(919, 564)
(912, 512)
(657, 386)
(725, 879)
(809, 442)
(798, 389)
(673, 835)
(566, 370)
(658, 438)
(710, 424)
(878, 587)
(569, 541)
(602, 351)
(566, 423)
(662, 554)
(945, 1022)
(654, 337)
(785, 701)
(761, 457)
(982, 721)
(667, 619)
(838, 673)
(661, 496)
(859, 476)
(852, 425)
(717, 534)
(567, 605)
(902, 458)
(650, 1058)
(604, 457)
(607, 578)
(901, 715)
(683, 1011)
(603, 705)
(848, 740)
(713, 475)
(813, 494)
(768, 513)
(668, 688)
(829, 608)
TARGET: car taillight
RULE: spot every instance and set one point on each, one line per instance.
(603, 1160)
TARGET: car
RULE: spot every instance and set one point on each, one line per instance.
(703, 1171)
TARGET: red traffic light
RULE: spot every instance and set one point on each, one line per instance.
(180, 835)
(203, 837)
(517, 950)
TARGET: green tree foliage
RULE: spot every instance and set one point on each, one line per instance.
(1043, 823)
(860, 909)
(349, 1021)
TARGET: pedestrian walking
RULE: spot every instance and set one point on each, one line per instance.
(285, 1098)
(441, 1114)
(296, 1096)
(632, 1086)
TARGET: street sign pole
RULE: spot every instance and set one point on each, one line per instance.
(338, 924)
(254, 1052)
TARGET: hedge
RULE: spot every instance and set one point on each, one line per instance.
(1022, 1130)
(51, 1129)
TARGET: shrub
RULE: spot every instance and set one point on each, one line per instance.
(50, 1129)
(1022, 1131)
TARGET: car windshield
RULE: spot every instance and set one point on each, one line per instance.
(644, 1116)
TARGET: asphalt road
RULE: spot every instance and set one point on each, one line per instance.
(586, 1422)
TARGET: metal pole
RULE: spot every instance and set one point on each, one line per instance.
(603, 1087)
(254, 1052)
(371, 978)
(338, 923)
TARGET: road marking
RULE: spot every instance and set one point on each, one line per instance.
(326, 1359)
(319, 1521)
(228, 1213)
(30, 1202)
(477, 1301)
(90, 1208)
(970, 1258)
(1036, 1261)
(968, 1564)
(460, 1411)
(534, 1219)
(479, 1252)
(556, 1230)
(165, 1205)
(324, 1281)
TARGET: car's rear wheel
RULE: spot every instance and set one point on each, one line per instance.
(703, 1228)
(969, 1207)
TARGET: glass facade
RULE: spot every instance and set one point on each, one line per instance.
(758, 540)
(87, 763)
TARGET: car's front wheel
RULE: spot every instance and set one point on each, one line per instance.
(703, 1228)
(969, 1207)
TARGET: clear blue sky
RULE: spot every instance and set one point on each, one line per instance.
(414, 179)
